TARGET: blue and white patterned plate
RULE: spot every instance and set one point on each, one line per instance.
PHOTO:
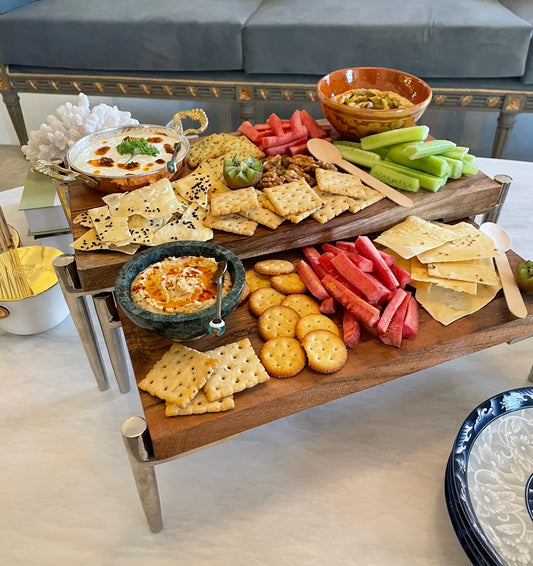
(475, 551)
(492, 474)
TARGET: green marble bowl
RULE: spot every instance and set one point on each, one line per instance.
(178, 326)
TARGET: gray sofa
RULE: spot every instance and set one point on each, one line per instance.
(476, 54)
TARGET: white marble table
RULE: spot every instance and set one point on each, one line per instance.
(358, 481)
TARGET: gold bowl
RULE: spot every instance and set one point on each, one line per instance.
(354, 123)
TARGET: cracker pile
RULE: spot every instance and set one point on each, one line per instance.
(192, 382)
(451, 266)
(241, 211)
(191, 207)
(148, 216)
(295, 332)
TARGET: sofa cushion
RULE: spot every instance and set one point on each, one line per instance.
(428, 38)
(8, 5)
(167, 35)
(524, 9)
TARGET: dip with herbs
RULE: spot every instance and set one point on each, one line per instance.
(178, 285)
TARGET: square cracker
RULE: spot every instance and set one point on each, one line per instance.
(339, 183)
(370, 197)
(233, 201)
(263, 216)
(207, 148)
(238, 368)
(265, 213)
(243, 148)
(233, 223)
(296, 218)
(333, 206)
(212, 167)
(179, 375)
(293, 198)
(200, 405)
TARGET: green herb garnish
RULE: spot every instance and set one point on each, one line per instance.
(135, 146)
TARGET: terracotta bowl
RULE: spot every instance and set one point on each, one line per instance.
(180, 327)
(355, 123)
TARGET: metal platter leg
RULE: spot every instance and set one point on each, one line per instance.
(493, 215)
(65, 268)
(138, 446)
(530, 376)
(107, 313)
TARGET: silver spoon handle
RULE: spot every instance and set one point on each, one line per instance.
(219, 301)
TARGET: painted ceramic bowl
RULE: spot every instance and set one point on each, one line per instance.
(353, 123)
(186, 326)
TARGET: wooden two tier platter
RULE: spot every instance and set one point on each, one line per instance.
(371, 363)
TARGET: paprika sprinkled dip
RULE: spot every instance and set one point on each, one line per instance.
(177, 285)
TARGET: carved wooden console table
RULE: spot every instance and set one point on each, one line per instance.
(508, 97)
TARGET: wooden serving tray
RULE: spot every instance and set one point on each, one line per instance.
(465, 197)
(369, 364)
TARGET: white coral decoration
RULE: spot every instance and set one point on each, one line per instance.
(69, 124)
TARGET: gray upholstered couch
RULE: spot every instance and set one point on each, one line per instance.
(476, 54)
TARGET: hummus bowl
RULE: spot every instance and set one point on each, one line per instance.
(180, 326)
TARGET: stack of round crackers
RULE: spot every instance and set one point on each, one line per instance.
(295, 332)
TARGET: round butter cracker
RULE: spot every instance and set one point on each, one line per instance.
(288, 283)
(262, 298)
(326, 352)
(282, 357)
(302, 304)
(278, 320)
(315, 321)
(256, 280)
(274, 266)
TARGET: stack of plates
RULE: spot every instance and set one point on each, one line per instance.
(489, 481)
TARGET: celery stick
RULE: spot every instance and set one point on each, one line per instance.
(456, 153)
(433, 147)
(432, 164)
(469, 168)
(456, 167)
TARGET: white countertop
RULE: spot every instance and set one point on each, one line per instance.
(358, 481)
